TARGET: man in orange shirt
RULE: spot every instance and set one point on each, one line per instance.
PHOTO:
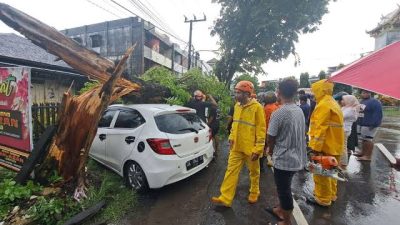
(271, 104)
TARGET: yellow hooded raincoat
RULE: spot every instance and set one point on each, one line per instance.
(248, 136)
(326, 136)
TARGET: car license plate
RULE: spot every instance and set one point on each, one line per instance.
(194, 162)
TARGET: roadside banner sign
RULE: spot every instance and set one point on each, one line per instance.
(377, 72)
(15, 116)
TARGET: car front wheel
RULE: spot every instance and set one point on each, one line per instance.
(135, 177)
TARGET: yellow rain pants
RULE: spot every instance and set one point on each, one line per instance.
(235, 165)
(325, 190)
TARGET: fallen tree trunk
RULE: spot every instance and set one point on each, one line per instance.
(78, 57)
(79, 115)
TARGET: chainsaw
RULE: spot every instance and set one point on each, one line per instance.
(325, 166)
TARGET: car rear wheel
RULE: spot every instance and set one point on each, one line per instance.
(135, 177)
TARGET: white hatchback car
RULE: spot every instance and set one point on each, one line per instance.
(152, 145)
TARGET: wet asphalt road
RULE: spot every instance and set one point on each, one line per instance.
(364, 199)
(188, 201)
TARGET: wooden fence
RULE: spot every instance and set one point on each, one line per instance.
(43, 115)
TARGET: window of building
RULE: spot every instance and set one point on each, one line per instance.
(77, 40)
(96, 40)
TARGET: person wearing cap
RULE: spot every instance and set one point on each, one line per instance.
(247, 139)
(326, 138)
(200, 105)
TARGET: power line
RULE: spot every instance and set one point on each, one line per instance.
(154, 13)
(146, 12)
(179, 39)
(114, 7)
(141, 6)
(103, 9)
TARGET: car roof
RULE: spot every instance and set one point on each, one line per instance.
(152, 108)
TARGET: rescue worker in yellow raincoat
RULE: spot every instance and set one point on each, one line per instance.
(326, 138)
(247, 139)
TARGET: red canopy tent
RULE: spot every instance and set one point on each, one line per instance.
(378, 72)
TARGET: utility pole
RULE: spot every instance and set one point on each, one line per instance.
(190, 35)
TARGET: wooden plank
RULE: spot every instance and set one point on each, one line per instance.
(42, 120)
(47, 109)
(84, 215)
(386, 153)
(38, 153)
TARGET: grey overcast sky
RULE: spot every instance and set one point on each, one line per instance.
(341, 38)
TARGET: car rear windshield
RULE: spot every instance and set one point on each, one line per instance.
(179, 123)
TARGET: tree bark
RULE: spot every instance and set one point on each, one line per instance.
(79, 115)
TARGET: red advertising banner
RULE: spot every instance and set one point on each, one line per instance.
(15, 116)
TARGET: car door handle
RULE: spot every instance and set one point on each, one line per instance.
(102, 137)
(129, 139)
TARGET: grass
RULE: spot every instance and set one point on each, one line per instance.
(119, 199)
(391, 112)
(103, 184)
(5, 174)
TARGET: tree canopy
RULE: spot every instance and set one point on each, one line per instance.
(304, 80)
(255, 31)
(322, 75)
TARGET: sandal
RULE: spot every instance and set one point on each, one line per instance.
(271, 211)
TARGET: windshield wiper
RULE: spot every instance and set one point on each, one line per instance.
(190, 129)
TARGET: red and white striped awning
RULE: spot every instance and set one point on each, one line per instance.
(378, 72)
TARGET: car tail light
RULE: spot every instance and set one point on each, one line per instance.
(209, 135)
(161, 146)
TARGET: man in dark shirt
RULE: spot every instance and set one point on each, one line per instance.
(200, 105)
(213, 123)
(305, 107)
(369, 120)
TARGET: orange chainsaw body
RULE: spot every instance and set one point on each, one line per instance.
(327, 162)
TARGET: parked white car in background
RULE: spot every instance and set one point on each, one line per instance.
(152, 145)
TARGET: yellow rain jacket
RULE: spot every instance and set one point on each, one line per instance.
(248, 128)
(326, 124)
(326, 136)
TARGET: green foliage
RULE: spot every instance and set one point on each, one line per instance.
(10, 191)
(254, 32)
(270, 86)
(93, 84)
(12, 194)
(89, 86)
(322, 75)
(183, 87)
(248, 77)
(165, 78)
(342, 87)
(53, 210)
(120, 199)
(304, 82)
(54, 178)
(196, 80)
